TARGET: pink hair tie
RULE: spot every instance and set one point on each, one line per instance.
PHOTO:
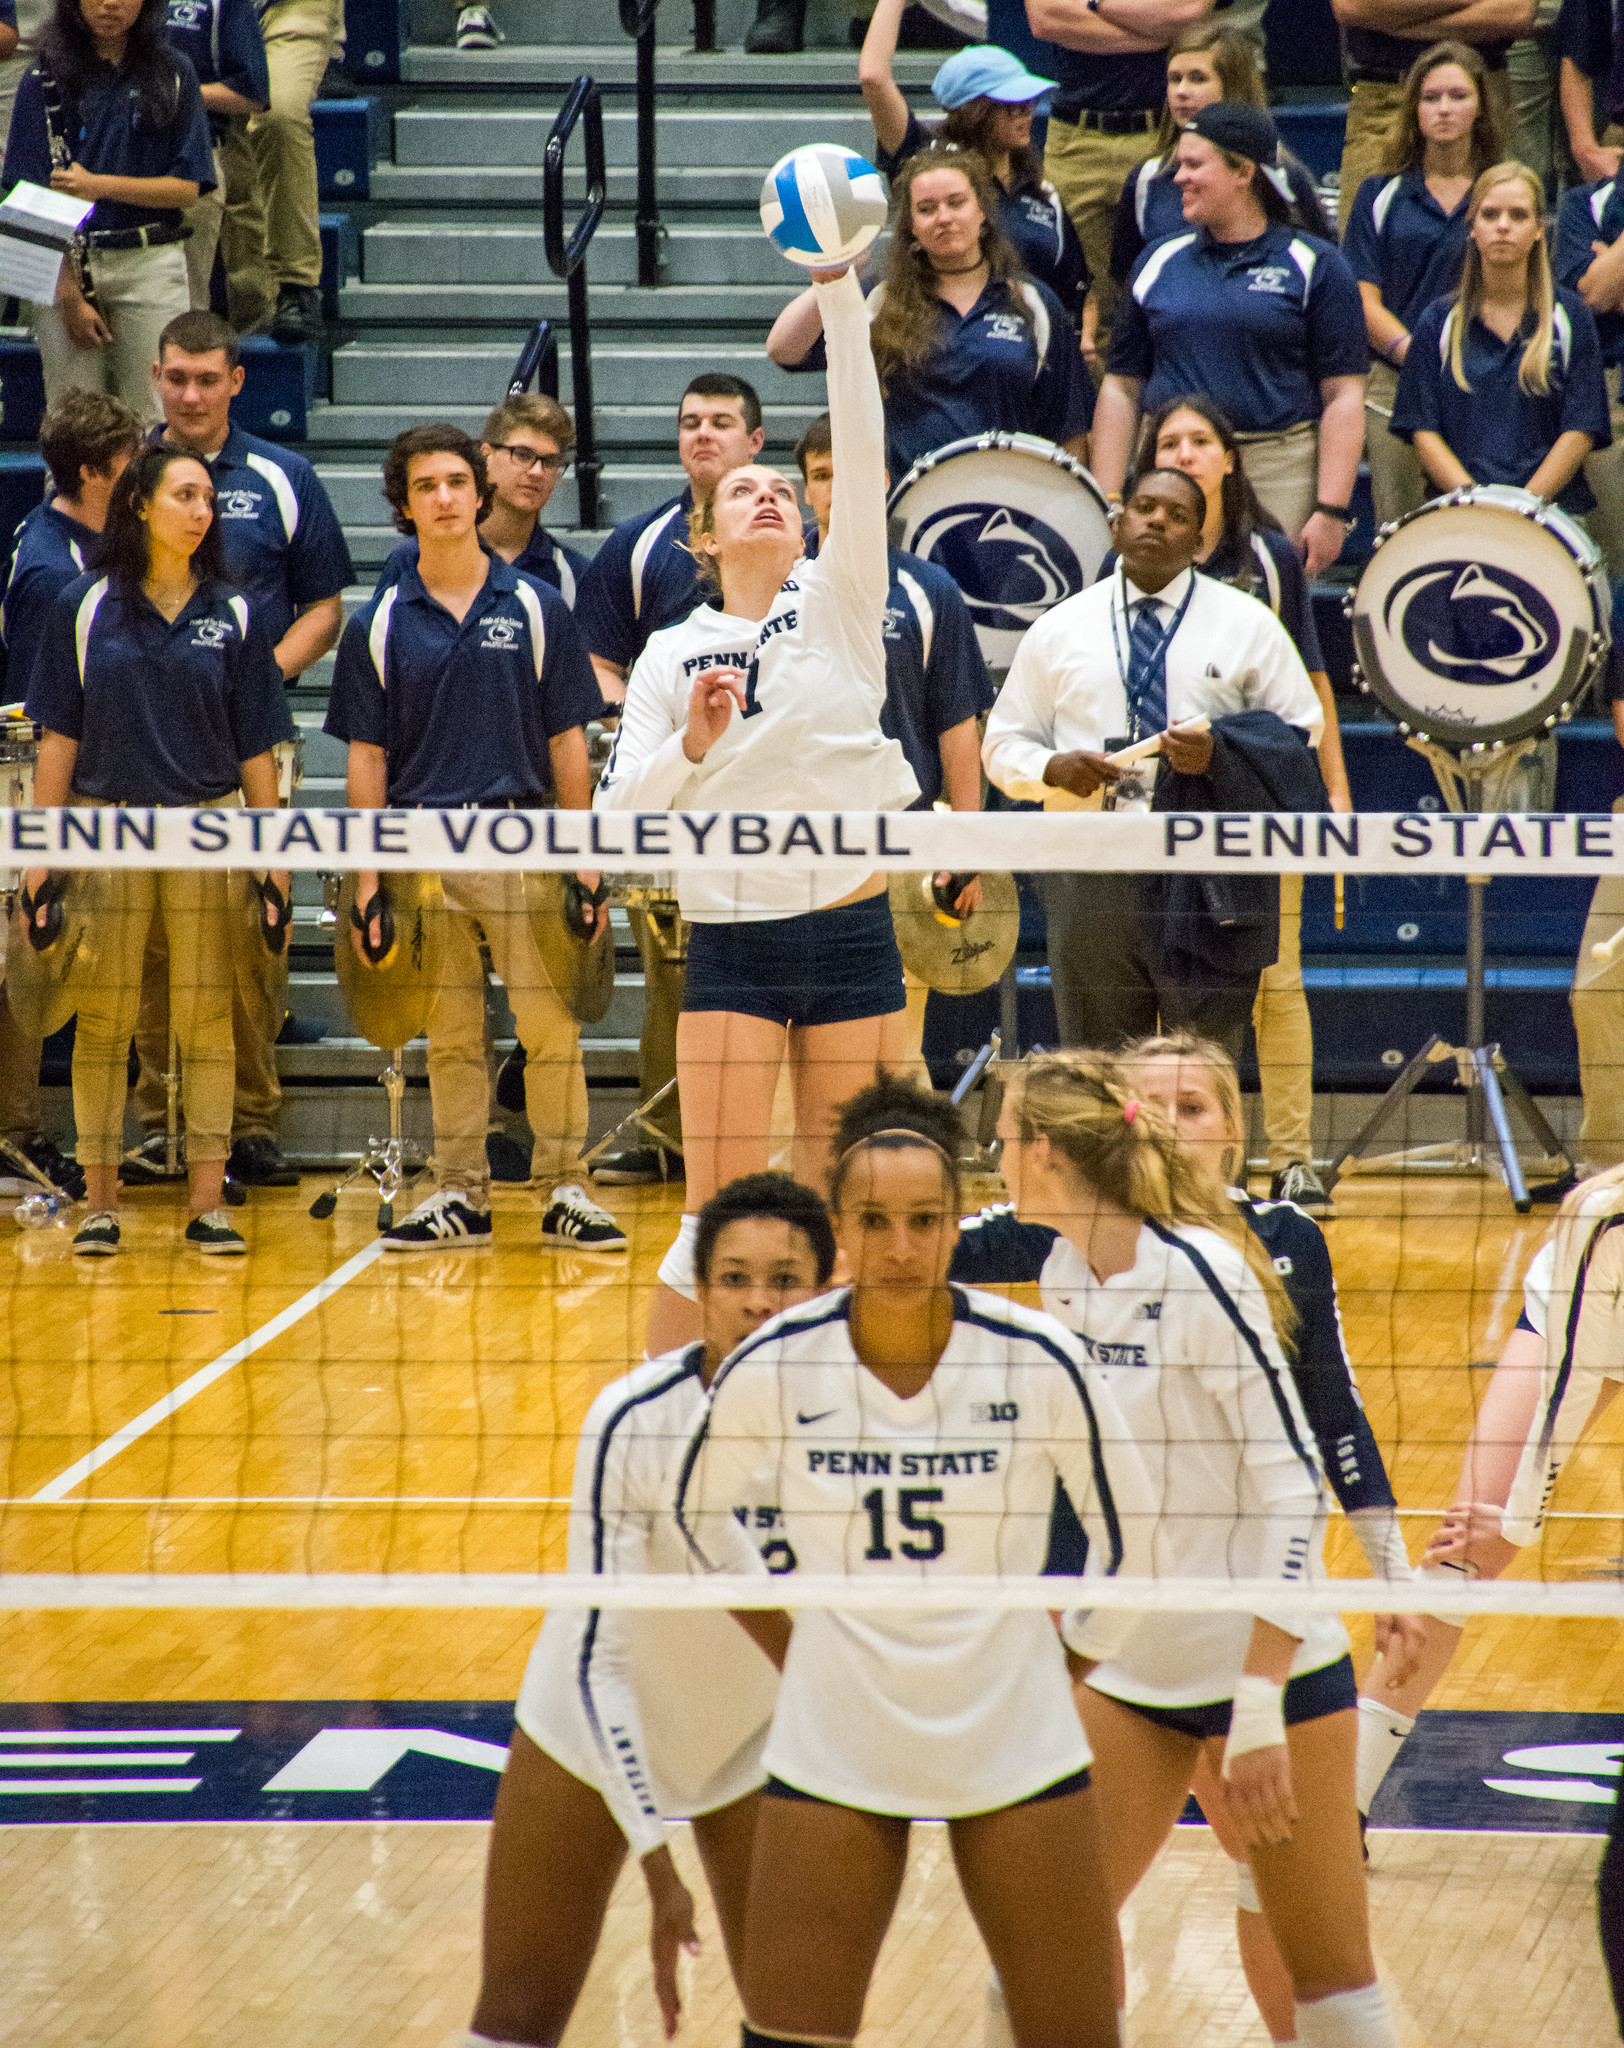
(1130, 1110)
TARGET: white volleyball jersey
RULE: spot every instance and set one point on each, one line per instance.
(1185, 1341)
(664, 1712)
(1583, 1333)
(1537, 1286)
(919, 1713)
(809, 737)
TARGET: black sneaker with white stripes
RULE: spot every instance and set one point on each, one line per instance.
(446, 1222)
(1302, 1185)
(573, 1218)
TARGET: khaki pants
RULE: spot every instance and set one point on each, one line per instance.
(490, 909)
(257, 1088)
(270, 232)
(140, 291)
(192, 907)
(663, 982)
(19, 1078)
(1284, 471)
(1398, 483)
(1088, 170)
(1604, 472)
(1373, 108)
(204, 221)
(1598, 1022)
(1285, 1041)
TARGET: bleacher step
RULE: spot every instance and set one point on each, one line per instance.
(677, 68)
(448, 371)
(689, 141)
(440, 253)
(401, 305)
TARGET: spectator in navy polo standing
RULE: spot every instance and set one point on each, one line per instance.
(526, 445)
(87, 439)
(937, 690)
(1381, 39)
(989, 97)
(1103, 119)
(1590, 43)
(1590, 261)
(640, 581)
(110, 113)
(965, 343)
(222, 42)
(1406, 240)
(1265, 320)
(466, 684)
(283, 545)
(155, 685)
(1503, 383)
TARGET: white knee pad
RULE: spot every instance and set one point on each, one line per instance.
(677, 1267)
(1246, 1898)
(1347, 2019)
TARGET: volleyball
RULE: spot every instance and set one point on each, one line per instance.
(822, 205)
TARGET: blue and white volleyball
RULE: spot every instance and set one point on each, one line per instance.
(822, 205)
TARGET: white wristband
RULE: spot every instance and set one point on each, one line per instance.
(1258, 1718)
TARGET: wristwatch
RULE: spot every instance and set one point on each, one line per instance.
(1342, 512)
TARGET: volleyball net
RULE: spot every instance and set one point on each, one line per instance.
(382, 1433)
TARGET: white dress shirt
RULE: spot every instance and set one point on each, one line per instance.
(1067, 689)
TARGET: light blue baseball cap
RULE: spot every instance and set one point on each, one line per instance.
(985, 72)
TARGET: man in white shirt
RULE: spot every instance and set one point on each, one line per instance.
(1153, 645)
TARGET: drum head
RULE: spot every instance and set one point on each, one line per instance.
(582, 971)
(389, 1004)
(956, 959)
(1015, 521)
(1478, 621)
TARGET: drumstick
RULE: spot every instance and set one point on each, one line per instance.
(1340, 882)
(1141, 750)
(1608, 950)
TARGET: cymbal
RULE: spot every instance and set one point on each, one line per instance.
(582, 971)
(261, 976)
(390, 1003)
(957, 958)
(43, 989)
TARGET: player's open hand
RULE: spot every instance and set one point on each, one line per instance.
(717, 693)
(1469, 1537)
(671, 1932)
(1400, 1639)
(1260, 1796)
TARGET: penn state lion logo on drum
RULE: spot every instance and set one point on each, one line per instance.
(1481, 617)
(1015, 521)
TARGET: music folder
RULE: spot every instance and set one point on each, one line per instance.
(37, 227)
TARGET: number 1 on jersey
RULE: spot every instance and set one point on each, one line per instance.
(909, 1498)
(751, 676)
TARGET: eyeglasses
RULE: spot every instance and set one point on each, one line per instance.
(531, 458)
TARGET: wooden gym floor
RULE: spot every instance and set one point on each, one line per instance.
(320, 1409)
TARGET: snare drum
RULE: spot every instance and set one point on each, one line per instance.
(1015, 521)
(1482, 617)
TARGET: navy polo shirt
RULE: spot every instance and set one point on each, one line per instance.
(463, 711)
(51, 551)
(1591, 213)
(283, 543)
(1373, 53)
(1255, 325)
(1274, 575)
(935, 677)
(8, 13)
(640, 581)
(1400, 240)
(1131, 84)
(990, 372)
(548, 560)
(1152, 206)
(222, 42)
(1031, 216)
(164, 713)
(1610, 683)
(113, 135)
(1500, 432)
(1585, 35)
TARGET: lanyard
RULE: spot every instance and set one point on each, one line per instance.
(1158, 655)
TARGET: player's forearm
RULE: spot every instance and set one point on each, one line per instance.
(259, 785)
(1397, 17)
(1341, 438)
(856, 550)
(1116, 414)
(1270, 1651)
(1385, 329)
(1440, 461)
(572, 770)
(1560, 467)
(1333, 767)
(887, 108)
(1576, 97)
(795, 330)
(53, 770)
(1602, 285)
(312, 633)
(366, 778)
(1116, 28)
(223, 100)
(960, 750)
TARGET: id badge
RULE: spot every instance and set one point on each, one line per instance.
(1132, 789)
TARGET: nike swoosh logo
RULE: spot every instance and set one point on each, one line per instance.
(822, 1415)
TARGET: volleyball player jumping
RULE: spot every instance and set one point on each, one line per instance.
(773, 702)
(628, 1718)
(1157, 1274)
(912, 1430)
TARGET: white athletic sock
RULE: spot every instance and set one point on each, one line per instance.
(1381, 1737)
(1347, 2019)
(997, 2031)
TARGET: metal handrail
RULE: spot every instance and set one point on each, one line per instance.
(538, 360)
(637, 19)
(567, 261)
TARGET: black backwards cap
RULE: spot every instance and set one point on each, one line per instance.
(1241, 129)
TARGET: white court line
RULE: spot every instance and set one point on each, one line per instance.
(205, 1376)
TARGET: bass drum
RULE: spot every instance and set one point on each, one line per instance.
(1015, 521)
(1482, 617)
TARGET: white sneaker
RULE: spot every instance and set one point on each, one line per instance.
(573, 1218)
(477, 30)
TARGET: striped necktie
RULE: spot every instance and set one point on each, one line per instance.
(1147, 674)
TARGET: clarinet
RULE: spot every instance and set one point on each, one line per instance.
(56, 129)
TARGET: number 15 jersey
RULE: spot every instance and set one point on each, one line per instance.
(919, 1713)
